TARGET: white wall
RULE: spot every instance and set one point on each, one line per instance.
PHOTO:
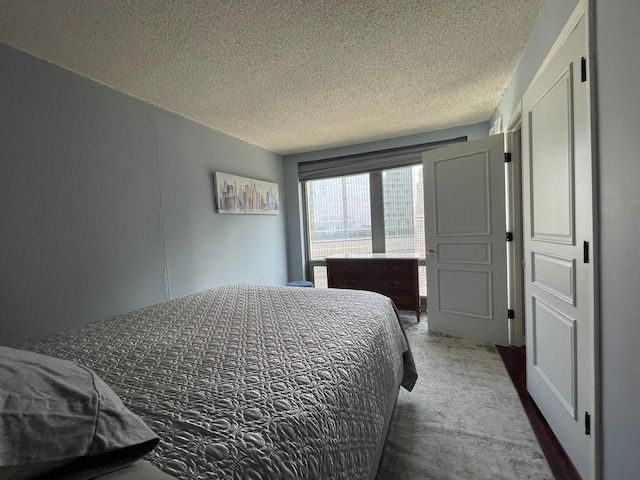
(618, 105)
(294, 206)
(107, 204)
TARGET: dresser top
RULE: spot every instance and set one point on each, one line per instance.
(374, 256)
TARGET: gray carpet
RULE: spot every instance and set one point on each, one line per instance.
(463, 420)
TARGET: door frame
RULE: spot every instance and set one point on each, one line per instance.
(515, 258)
(584, 8)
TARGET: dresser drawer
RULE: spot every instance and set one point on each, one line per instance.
(348, 267)
(396, 269)
(403, 301)
(383, 285)
(346, 281)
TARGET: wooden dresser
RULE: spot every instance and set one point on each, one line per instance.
(391, 275)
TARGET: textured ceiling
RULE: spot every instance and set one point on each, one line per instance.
(289, 75)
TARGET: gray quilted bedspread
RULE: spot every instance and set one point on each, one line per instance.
(253, 382)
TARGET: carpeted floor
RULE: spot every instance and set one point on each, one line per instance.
(463, 420)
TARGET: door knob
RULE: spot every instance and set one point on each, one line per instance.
(431, 252)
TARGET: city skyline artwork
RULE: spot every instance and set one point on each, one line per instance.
(241, 195)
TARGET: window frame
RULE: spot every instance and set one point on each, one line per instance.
(376, 193)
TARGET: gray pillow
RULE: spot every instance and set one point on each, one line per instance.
(59, 418)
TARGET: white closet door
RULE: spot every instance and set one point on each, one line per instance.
(557, 235)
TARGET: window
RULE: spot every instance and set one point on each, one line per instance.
(403, 210)
(339, 217)
(339, 220)
(403, 198)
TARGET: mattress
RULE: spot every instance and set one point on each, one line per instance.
(253, 381)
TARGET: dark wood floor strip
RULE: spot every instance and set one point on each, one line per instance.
(514, 359)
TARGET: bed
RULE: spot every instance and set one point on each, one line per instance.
(252, 381)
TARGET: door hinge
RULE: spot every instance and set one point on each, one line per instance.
(587, 423)
(583, 69)
(507, 157)
(509, 236)
(585, 252)
(511, 313)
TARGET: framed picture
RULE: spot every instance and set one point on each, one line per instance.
(242, 195)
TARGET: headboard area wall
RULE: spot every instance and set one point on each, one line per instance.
(107, 203)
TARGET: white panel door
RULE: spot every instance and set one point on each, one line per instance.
(557, 221)
(464, 197)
